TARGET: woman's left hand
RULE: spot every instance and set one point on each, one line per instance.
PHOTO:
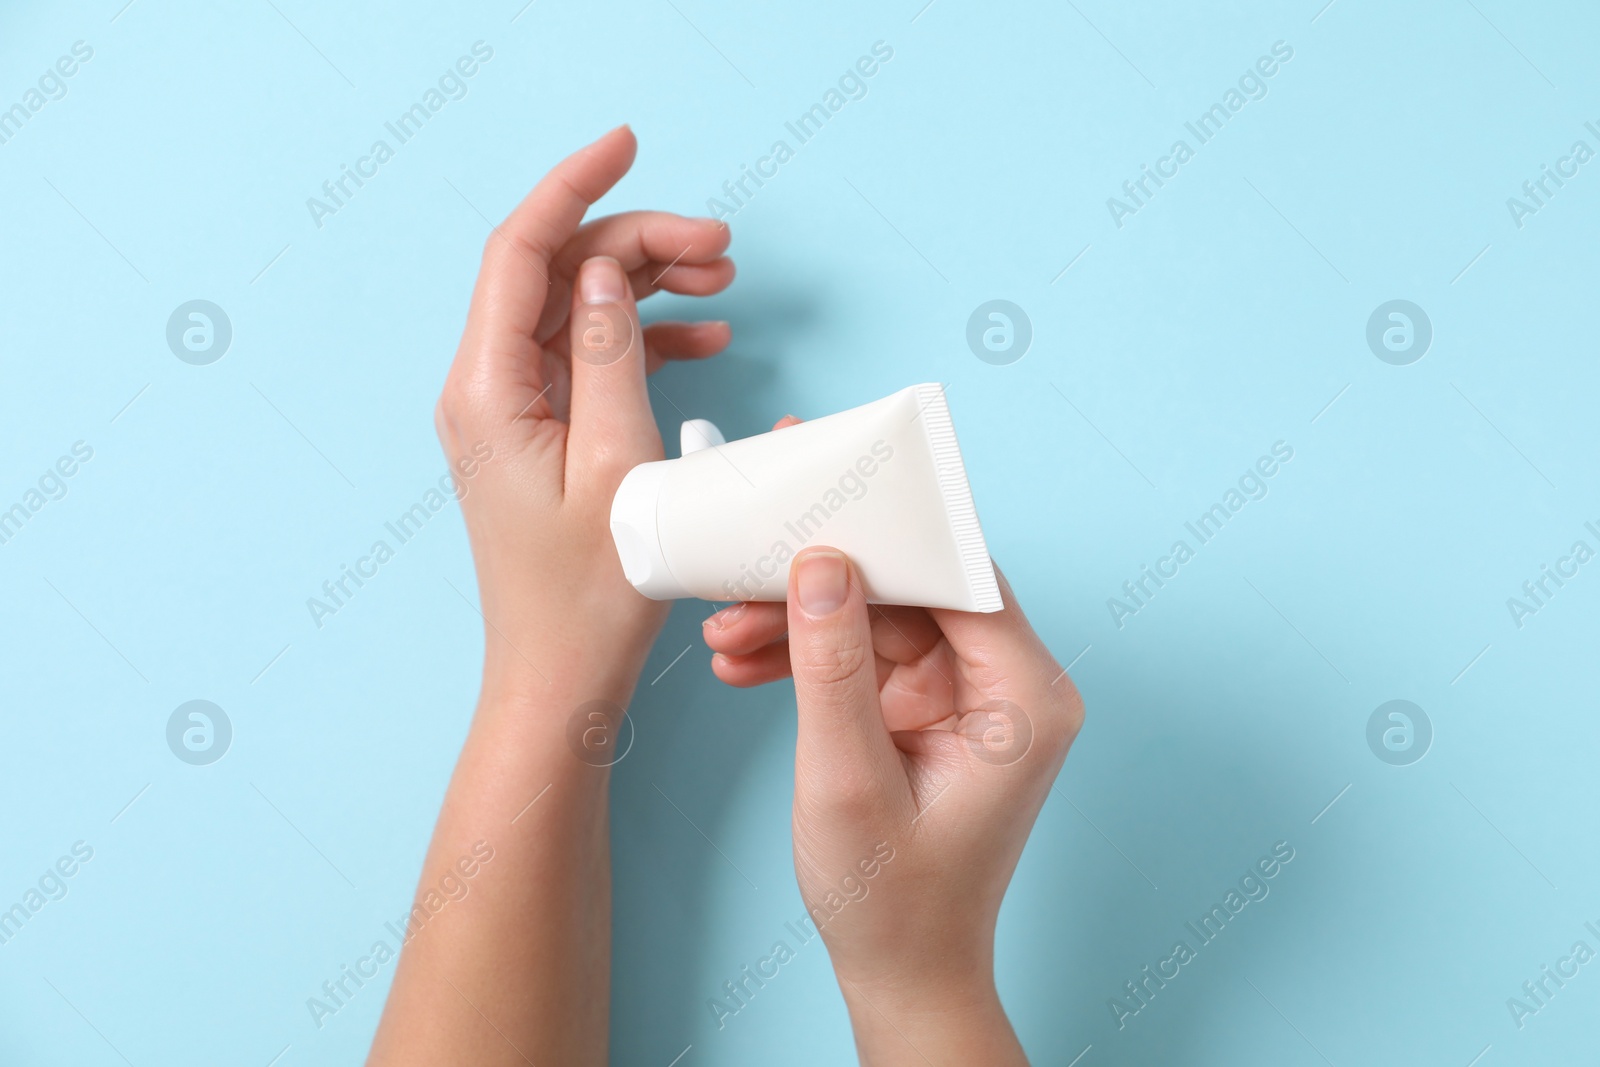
(546, 408)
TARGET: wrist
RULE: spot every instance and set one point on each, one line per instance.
(916, 1022)
(920, 969)
(559, 681)
(556, 731)
(914, 999)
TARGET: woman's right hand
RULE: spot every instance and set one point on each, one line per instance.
(928, 740)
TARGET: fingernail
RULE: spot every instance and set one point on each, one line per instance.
(600, 281)
(824, 578)
(725, 618)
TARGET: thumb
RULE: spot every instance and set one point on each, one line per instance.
(611, 417)
(841, 728)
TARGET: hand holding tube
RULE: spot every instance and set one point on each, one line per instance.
(935, 735)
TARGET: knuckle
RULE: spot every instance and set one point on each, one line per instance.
(857, 798)
(829, 659)
(570, 188)
(452, 405)
(505, 247)
(1072, 710)
(1075, 715)
(849, 792)
(494, 248)
(1061, 728)
(605, 468)
(446, 411)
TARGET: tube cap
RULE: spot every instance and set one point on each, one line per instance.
(698, 434)
(633, 528)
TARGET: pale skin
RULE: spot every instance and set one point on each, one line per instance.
(893, 746)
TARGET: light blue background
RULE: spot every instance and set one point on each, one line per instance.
(1223, 317)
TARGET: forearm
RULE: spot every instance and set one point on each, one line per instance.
(518, 968)
(540, 424)
(895, 1027)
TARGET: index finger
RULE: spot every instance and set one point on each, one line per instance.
(514, 281)
(1000, 651)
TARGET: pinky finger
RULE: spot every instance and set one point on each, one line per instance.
(770, 664)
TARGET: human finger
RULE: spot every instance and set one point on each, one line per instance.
(514, 282)
(640, 241)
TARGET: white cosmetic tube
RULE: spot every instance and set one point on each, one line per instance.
(883, 483)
